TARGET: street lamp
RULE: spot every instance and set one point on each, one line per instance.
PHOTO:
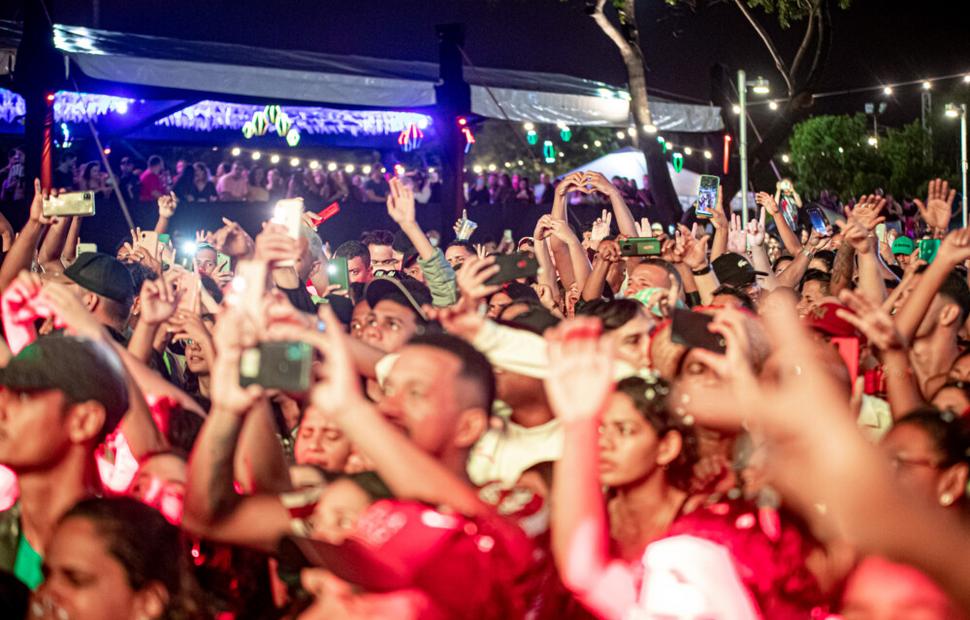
(759, 86)
(954, 110)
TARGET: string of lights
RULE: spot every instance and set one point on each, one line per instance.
(887, 89)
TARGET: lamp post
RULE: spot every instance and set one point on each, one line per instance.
(954, 111)
(759, 87)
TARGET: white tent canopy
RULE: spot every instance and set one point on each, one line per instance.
(630, 163)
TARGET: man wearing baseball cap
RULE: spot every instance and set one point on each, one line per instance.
(737, 271)
(106, 289)
(902, 249)
(59, 398)
(396, 312)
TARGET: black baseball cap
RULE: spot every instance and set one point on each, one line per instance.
(400, 289)
(81, 368)
(735, 270)
(102, 274)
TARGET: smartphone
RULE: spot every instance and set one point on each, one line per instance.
(86, 248)
(247, 288)
(819, 223)
(507, 236)
(928, 249)
(282, 366)
(690, 329)
(513, 267)
(70, 203)
(190, 286)
(223, 263)
(881, 232)
(149, 241)
(337, 272)
(707, 196)
(289, 213)
(640, 246)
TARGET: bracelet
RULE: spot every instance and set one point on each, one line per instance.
(703, 271)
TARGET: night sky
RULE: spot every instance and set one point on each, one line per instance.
(875, 41)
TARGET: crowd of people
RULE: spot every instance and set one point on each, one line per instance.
(715, 421)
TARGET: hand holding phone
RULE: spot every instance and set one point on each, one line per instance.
(707, 196)
(640, 246)
(337, 272)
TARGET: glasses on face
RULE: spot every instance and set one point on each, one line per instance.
(386, 273)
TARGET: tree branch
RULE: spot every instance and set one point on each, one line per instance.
(821, 47)
(775, 55)
(809, 32)
(632, 58)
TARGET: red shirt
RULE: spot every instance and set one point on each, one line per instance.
(151, 186)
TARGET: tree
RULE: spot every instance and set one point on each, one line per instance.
(801, 75)
(626, 37)
(834, 153)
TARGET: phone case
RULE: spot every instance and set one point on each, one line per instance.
(640, 246)
(690, 329)
(282, 366)
(71, 203)
(512, 267)
(337, 272)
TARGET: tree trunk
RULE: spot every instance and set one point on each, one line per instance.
(668, 209)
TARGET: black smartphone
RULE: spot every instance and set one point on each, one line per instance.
(640, 246)
(819, 223)
(513, 267)
(690, 329)
(337, 272)
(282, 366)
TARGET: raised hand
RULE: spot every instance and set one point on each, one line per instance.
(609, 252)
(737, 237)
(472, 276)
(955, 247)
(601, 229)
(69, 312)
(580, 376)
(400, 203)
(719, 220)
(232, 240)
(561, 230)
(167, 204)
(767, 201)
(938, 207)
(694, 250)
(462, 320)
(756, 231)
(643, 227)
(867, 211)
(572, 182)
(598, 183)
(275, 245)
(234, 332)
(337, 389)
(20, 307)
(872, 320)
(157, 301)
(37, 206)
(543, 228)
(857, 235)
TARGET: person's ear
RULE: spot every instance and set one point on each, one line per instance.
(949, 314)
(85, 421)
(90, 301)
(472, 424)
(952, 484)
(150, 601)
(669, 448)
(136, 306)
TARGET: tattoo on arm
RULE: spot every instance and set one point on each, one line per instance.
(842, 268)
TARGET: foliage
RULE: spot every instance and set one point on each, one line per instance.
(898, 165)
(788, 11)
